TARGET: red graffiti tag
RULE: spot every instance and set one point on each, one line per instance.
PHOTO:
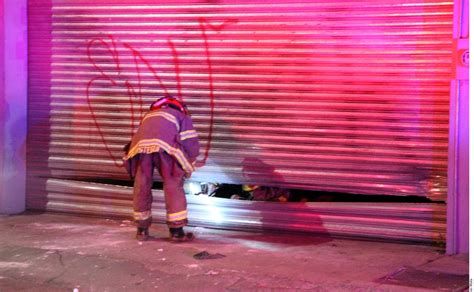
(103, 76)
(134, 91)
(203, 24)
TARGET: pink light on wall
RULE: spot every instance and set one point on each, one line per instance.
(2, 97)
(458, 204)
(13, 106)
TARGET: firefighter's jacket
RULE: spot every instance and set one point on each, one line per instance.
(167, 130)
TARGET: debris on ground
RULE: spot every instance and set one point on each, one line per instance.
(204, 255)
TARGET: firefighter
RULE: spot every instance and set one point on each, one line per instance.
(165, 140)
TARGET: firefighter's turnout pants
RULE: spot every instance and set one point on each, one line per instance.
(173, 180)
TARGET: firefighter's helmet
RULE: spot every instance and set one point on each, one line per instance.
(171, 102)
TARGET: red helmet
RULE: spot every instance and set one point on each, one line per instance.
(169, 101)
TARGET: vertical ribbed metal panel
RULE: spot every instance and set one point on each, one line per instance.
(344, 96)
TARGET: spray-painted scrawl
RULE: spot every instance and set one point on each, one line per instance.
(115, 74)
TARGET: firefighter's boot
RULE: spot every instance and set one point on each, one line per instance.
(178, 235)
(142, 234)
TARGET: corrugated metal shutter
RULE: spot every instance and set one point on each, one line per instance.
(346, 96)
(401, 222)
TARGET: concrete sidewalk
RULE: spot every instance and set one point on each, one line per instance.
(50, 252)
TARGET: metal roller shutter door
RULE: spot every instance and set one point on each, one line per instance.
(347, 96)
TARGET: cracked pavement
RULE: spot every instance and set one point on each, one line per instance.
(53, 252)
